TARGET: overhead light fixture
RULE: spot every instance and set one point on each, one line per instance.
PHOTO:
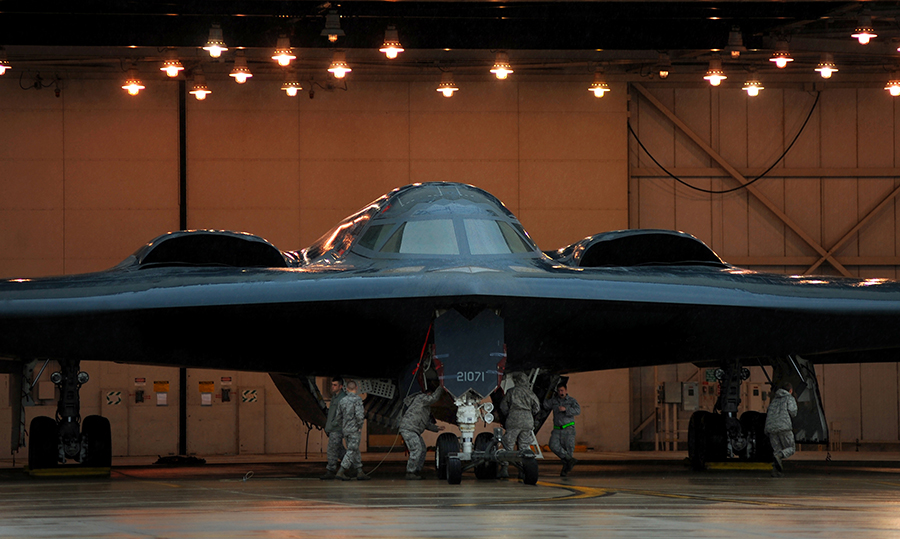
(501, 68)
(893, 85)
(753, 86)
(715, 75)
(291, 85)
(199, 89)
(339, 66)
(4, 62)
(283, 52)
(215, 44)
(133, 84)
(240, 71)
(447, 86)
(663, 65)
(781, 56)
(599, 86)
(333, 26)
(864, 31)
(736, 42)
(826, 65)
(391, 46)
(171, 65)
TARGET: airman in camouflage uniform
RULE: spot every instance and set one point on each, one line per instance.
(416, 419)
(350, 416)
(779, 427)
(333, 430)
(562, 440)
(519, 406)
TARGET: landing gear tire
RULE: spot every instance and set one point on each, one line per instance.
(454, 470)
(707, 440)
(96, 430)
(530, 470)
(43, 443)
(446, 443)
(755, 423)
(487, 469)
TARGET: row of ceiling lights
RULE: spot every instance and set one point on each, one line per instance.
(391, 47)
(864, 33)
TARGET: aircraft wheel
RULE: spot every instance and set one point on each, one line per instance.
(99, 439)
(446, 443)
(43, 443)
(530, 469)
(485, 470)
(755, 422)
(454, 470)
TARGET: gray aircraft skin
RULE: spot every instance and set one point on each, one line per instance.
(370, 297)
(363, 297)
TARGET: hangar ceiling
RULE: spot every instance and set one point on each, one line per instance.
(542, 38)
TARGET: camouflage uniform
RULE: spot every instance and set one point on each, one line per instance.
(779, 428)
(562, 439)
(416, 420)
(519, 405)
(349, 416)
(335, 435)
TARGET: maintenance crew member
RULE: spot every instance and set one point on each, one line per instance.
(779, 427)
(416, 419)
(333, 430)
(350, 416)
(562, 440)
(519, 406)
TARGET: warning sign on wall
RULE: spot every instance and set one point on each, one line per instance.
(207, 387)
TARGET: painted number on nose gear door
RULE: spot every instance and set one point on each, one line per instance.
(470, 376)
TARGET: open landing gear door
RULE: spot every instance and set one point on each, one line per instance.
(810, 426)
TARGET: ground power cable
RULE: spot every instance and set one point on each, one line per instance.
(739, 187)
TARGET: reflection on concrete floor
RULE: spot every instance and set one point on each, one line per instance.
(602, 498)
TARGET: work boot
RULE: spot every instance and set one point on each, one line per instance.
(570, 464)
(777, 464)
(410, 476)
(360, 476)
(329, 475)
(776, 473)
(565, 469)
(346, 475)
(504, 471)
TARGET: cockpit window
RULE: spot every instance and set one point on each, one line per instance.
(430, 237)
(488, 237)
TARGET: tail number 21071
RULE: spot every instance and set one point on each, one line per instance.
(470, 376)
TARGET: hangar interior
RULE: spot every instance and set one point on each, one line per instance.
(91, 173)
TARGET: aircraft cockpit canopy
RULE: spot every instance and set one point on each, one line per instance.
(432, 219)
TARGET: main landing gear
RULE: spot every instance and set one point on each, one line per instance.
(716, 437)
(68, 438)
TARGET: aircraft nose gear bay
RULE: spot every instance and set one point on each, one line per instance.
(614, 495)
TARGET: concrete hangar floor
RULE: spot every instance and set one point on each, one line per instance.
(607, 495)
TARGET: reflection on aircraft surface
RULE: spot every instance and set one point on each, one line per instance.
(439, 283)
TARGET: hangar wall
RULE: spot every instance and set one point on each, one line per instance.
(87, 177)
(843, 166)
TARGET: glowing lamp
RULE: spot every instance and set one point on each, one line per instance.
(283, 52)
(339, 66)
(502, 68)
(215, 44)
(133, 84)
(447, 86)
(391, 46)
